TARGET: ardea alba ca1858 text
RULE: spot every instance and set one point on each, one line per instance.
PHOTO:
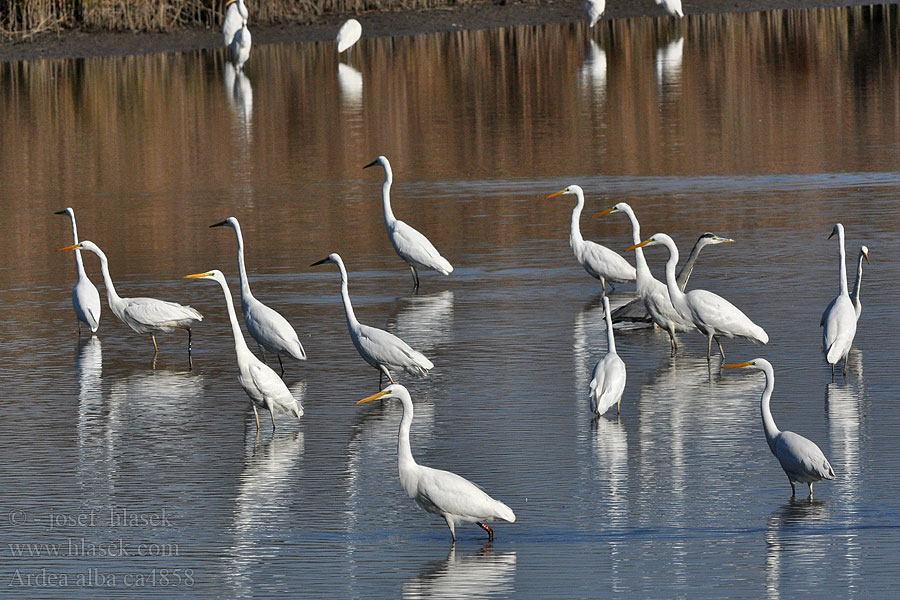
(608, 382)
(379, 348)
(408, 243)
(269, 328)
(265, 388)
(840, 317)
(599, 261)
(801, 459)
(712, 314)
(143, 315)
(442, 493)
(85, 297)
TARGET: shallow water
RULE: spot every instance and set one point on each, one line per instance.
(766, 128)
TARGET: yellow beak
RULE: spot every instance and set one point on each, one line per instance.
(866, 256)
(199, 275)
(559, 193)
(604, 213)
(641, 245)
(738, 365)
(72, 247)
(374, 397)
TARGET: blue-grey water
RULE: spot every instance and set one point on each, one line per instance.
(766, 128)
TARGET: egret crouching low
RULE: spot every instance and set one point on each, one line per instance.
(608, 382)
(801, 459)
(143, 315)
(265, 388)
(85, 297)
(442, 493)
(379, 348)
(408, 243)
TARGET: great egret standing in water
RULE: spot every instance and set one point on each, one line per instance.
(594, 10)
(840, 317)
(265, 388)
(236, 15)
(801, 459)
(379, 348)
(599, 261)
(143, 315)
(712, 314)
(653, 293)
(348, 34)
(608, 382)
(240, 46)
(408, 243)
(442, 493)
(271, 331)
(85, 297)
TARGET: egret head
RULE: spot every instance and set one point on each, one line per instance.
(837, 230)
(381, 160)
(214, 274)
(621, 206)
(759, 364)
(865, 252)
(334, 257)
(572, 189)
(65, 211)
(711, 238)
(229, 222)
(85, 245)
(395, 390)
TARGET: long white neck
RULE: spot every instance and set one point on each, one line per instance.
(345, 296)
(79, 264)
(843, 261)
(768, 422)
(610, 340)
(386, 195)
(575, 238)
(405, 458)
(246, 294)
(240, 345)
(112, 298)
(858, 284)
(640, 263)
(676, 296)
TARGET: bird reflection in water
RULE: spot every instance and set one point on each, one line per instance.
(593, 70)
(93, 455)
(424, 321)
(350, 82)
(668, 66)
(481, 574)
(791, 546)
(240, 97)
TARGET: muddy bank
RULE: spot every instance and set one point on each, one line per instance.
(79, 44)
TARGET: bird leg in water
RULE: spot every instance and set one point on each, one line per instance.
(450, 525)
(810, 490)
(155, 347)
(272, 414)
(256, 414)
(793, 489)
(488, 529)
(415, 276)
(721, 351)
(281, 364)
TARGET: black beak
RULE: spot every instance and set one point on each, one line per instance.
(371, 164)
(324, 260)
(60, 212)
(219, 224)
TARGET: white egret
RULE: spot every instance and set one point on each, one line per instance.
(143, 315)
(599, 261)
(712, 314)
(673, 7)
(265, 388)
(608, 382)
(840, 317)
(855, 294)
(240, 46)
(443, 493)
(652, 292)
(85, 297)
(801, 459)
(269, 328)
(594, 9)
(348, 34)
(379, 348)
(409, 244)
(235, 15)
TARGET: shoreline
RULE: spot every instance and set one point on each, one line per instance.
(81, 44)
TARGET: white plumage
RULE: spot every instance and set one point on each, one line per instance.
(854, 295)
(840, 317)
(85, 297)
(594, 9)
(143, 315)
(408, 243)
(348, 34)
(712, 314)
(608, 382)
(801, 459)
(673, 7)
(379, 348)
(599, 261)
(240, 46)
(442, 493)
(265, 388)
(235, 15)
(269, 328)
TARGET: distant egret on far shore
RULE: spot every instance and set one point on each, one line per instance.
(236, 15)
(673, 7)
(348, 34)
(594, 9)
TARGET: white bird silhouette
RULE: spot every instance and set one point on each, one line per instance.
(85, 297)
(840, 317)
(608, 382)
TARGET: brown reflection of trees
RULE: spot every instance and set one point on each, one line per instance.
(146, 148)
